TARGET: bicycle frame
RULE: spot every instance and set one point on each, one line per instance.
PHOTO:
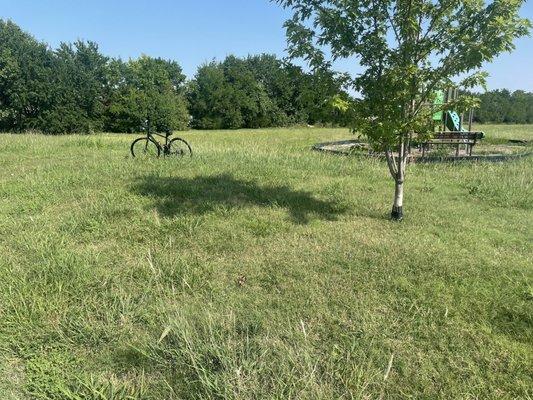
(152, 136)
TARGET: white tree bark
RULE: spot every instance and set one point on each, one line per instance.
(397, 208)
(399, 176)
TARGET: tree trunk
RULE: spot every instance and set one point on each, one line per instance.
(397, 207)
(398, 173)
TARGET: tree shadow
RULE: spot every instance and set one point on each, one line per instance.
(199, 195)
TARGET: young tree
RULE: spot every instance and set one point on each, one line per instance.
(408, 49)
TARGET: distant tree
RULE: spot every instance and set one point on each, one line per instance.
(227, 95)
(79, 77)
(317, 95)
(518, 112)
(53, 92)
(145, 89)
(494, 106)
(25, 79)
(256, 107)
(262, 91)
(210, 101)
(408, 50)
(271, 73)
(502, 106)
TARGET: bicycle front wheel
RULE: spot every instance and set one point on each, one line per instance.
(144, 148)
(179, 148)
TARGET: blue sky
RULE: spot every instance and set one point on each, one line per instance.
(193, 32)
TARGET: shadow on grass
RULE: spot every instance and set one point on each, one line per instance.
(174, 195)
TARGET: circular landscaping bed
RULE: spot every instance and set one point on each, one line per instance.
(511, 150)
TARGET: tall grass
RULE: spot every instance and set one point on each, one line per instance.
(260, 269)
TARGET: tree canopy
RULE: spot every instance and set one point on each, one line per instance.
(503, 106)
(26, 76)
(262, 91)
(147, 89)
(75, 88)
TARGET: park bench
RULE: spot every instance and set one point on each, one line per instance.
(457, 138)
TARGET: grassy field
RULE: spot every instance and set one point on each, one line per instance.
(261, 269)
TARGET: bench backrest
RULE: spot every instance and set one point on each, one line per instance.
(473, 136)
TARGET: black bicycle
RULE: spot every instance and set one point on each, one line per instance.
(149, 146)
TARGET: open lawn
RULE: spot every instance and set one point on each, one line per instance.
(260, 269)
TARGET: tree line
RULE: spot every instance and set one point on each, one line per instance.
(75, 88)
(503, 106)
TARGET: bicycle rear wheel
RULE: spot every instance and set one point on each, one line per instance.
(179, 148)
(144, 148)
